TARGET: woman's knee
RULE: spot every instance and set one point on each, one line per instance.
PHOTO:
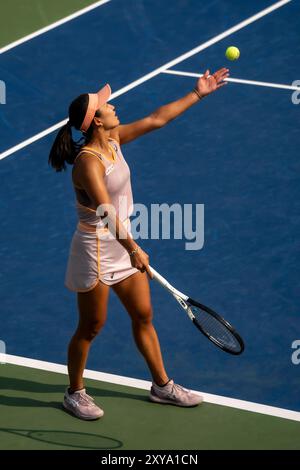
(90, 329)
(143, 315)
(92, 311)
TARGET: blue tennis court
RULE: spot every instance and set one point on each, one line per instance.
(236, 152)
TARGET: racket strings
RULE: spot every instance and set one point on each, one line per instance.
(215, 329)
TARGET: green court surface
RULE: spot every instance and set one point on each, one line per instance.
(27, 16)
(32, 418)
(31, 413)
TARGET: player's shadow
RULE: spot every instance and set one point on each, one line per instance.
(64, 438)
(12, 383)
(78, 440)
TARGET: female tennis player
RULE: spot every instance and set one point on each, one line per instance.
(103, 252)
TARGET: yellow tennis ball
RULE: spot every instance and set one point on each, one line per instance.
(232, 53)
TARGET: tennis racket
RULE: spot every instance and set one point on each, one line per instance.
(212, 325)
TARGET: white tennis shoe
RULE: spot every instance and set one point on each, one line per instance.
(174, 394)
(82, 405)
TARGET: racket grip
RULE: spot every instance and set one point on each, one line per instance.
(159, 278)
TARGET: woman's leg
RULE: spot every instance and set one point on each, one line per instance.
(92, 307)
(134, 293)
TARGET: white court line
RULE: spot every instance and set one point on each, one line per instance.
(52, 26)
(235, 80)
(155, 72)
(145, 385)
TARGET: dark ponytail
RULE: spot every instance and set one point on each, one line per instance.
(64, 148)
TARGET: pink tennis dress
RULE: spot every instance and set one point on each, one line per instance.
(94, 253)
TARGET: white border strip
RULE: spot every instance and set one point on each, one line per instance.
(235, 80)
(29, 141)
(145, 385)
(53, 25)
(155, 72)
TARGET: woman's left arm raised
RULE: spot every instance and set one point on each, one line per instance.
(205, 85)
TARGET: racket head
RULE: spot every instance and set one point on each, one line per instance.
(215, 328)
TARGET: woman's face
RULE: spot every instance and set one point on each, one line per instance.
(108, 117)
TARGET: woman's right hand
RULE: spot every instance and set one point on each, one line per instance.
(140, 261)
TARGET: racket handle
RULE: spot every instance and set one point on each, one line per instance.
(159, 278)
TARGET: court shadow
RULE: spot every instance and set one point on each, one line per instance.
(28, 402)
(68, 439)
(12, 383)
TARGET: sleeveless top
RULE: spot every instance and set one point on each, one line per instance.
(118, 185)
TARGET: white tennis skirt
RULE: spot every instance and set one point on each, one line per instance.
(96, 257)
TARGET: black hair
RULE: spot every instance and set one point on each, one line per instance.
(64, 148)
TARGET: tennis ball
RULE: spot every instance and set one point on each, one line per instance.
(232, 53)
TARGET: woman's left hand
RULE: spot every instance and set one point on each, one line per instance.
(210, 83)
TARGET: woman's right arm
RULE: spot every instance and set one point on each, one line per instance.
(89, 173)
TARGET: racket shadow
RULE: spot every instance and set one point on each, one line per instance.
(71, 439)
